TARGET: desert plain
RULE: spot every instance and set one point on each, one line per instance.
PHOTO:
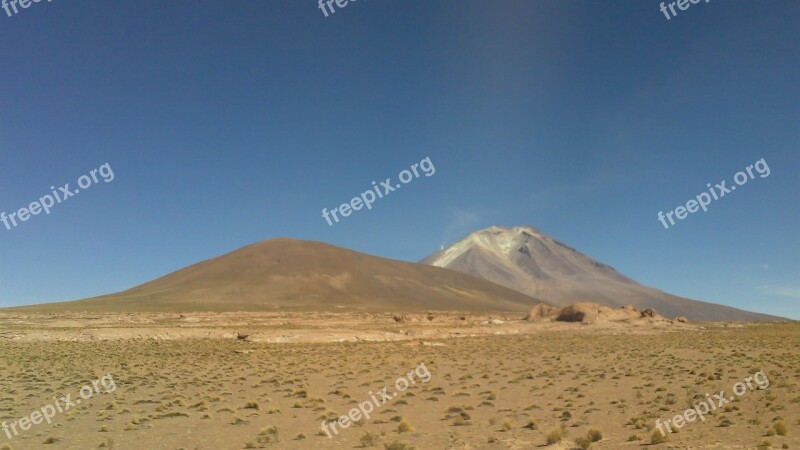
(269, 380)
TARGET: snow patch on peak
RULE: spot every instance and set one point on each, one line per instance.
(449, 254)
(499, 240)
(528, 230)
(525, 230)
(494, 229)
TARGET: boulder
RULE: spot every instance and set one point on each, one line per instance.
(541, 311)
(583, 312)
(650, 312)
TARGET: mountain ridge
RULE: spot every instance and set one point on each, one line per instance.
(292, 275)
(525, 259)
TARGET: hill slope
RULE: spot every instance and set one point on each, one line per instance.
(292, 275)
(526, 260)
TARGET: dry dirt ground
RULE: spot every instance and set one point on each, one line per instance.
(188, 382)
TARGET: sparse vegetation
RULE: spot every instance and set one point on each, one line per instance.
(211, 386)
(405, 426)
(396, 445)
(369, 439)
(780, 428)
(583, 443)
(555, 435)
(657, 438)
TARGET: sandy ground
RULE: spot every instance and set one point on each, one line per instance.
(290, 327)
(495, 382)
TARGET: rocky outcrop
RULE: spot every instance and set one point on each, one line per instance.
(588, 313)
(579, 312)
(541, 311)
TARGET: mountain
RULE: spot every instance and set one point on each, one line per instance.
(526, 260)
(292, 275)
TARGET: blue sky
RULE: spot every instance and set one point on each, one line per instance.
(227, 123)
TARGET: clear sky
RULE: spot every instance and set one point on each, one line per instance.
(227, 123)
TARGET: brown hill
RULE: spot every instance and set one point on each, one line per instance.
(292, 275)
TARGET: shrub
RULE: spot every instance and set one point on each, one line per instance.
(269, 432)
(780, 428)
(583, 443)
(657, 438)
(369, 439)
(396, 445)
(405, 426)
(594, 434)
(555, 435)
